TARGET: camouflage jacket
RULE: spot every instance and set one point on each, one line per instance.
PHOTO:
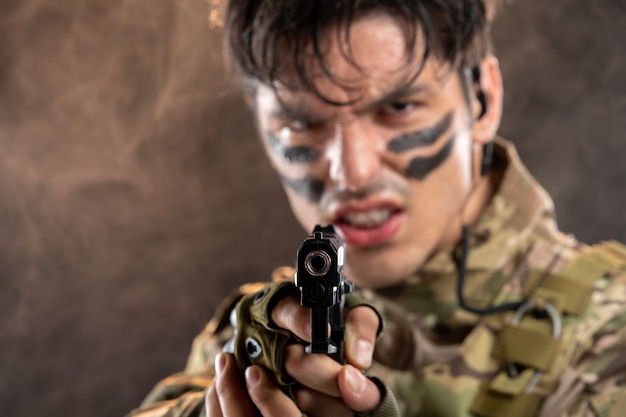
(567, 351)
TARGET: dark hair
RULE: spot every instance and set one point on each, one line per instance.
(263, 37)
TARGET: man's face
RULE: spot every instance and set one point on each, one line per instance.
(390, 170)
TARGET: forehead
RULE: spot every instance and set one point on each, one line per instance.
(368, 39)
(375, 54)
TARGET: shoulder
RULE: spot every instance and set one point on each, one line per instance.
(594, 285)
(603, 322)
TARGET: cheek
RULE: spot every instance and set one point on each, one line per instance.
(449, 164)
(306, 212)
(422, 166)
(308, 187)
(295, 168)
(440, 189)
(304, 192)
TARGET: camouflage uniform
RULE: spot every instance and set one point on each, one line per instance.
(442, 361)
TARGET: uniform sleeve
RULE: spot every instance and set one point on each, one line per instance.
(182, 394)
(186, 395)
(602, 365)
(603, 373)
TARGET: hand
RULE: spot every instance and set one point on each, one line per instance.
(329, 388)
(229, 397)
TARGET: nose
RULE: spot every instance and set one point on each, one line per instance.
(355, 156)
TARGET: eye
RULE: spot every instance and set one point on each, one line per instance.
(307, 129)
(301, 125)
(401, 112)
(399, 107)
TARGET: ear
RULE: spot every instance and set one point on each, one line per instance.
(490, 83)
(250, 100)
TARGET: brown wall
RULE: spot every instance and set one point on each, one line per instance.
(133, 193)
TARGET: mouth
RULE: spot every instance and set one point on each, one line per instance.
(367, 219)
(369, 225)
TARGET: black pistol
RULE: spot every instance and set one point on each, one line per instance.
(323, 286)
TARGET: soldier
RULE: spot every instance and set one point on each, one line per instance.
(381, 118)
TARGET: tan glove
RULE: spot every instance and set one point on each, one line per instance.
(258, 341)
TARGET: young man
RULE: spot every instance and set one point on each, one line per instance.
(381, 118)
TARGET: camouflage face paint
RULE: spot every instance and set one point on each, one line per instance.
(421, 138)
(308, 187)
(421, 166)
(292, 154)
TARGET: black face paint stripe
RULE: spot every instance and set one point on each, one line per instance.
(309, 187)
(420, 138)
(292, 154)
(421, 166)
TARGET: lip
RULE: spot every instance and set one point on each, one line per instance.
(369, 237)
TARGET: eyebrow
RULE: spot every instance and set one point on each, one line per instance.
(295, 112)
(392, 96)
(298, 112)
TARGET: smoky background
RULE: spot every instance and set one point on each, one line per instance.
(134, 194)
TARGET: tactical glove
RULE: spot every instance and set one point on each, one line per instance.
(258, 341)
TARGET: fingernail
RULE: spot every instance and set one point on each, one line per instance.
(220, 362)
(357, 382)
(363, 351)
(252, 376)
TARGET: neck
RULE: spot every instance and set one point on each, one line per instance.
(483, 188)
(478, 198)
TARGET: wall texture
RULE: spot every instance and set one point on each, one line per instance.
(133, 194)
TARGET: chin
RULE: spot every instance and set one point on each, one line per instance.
(375, 279)
(379, 270)
(373, 274)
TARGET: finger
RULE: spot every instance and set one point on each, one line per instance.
(358, 392)
(361, 330)
(230, 390)
(290, 315)
(268, 398)
(211, 403)
(318, 372)
(315, 404)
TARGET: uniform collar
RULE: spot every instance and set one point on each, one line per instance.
(520, 210)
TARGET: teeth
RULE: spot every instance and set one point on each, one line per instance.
(368, 219)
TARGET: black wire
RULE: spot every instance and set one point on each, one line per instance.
(462, 267)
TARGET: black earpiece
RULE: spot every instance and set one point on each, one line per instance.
(485, 164)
